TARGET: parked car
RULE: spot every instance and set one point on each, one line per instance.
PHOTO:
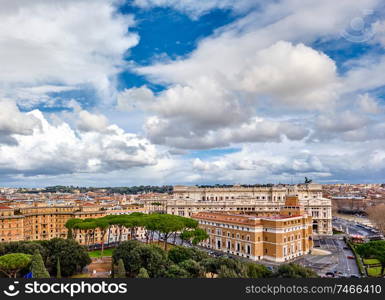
(329, 274)
(350, 257)
(338, 273)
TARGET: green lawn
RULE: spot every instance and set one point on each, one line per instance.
(108, 252)
(371, 261)
(96, 253)
(374, 271)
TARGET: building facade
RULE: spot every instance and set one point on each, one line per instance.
(277, 238)
(45, 223)
(269, 200)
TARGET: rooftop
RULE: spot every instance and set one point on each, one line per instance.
(237, 219)
(5, 207)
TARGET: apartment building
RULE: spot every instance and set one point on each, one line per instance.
(44, 223)
(11, 225)
(277, 238)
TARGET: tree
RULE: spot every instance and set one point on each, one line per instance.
(73, 257)
(194, 269)
(376, 215)
(103, 225)
(233, 264)
(194, 236)
(70, 227)
(225, 267)
(11, 264)
(37, 266)
(211, 265)
(294, 271)
(121, 270)
(119, 222)
(199, 235)
(143, 273)
(22, 247)
(226, 272)
(168, 225)
(88, 226)
(373, 249)
(133, 221)
(150, 223)
(112, 275)
(136, 255)
(186, 236)
(58, 268)
(257, 271)
(175, 271)
(178, 254)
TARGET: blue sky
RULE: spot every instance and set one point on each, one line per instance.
(191, 92)
(169, 33)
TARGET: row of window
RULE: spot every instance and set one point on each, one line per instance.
(229, 234)
(233, 246)
(224, 225)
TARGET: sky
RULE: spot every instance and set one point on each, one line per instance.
(154, 92)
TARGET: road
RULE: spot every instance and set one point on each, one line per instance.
(353, 228)
(336, 262)
(340, 253)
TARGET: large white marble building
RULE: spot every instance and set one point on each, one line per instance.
(187, 200)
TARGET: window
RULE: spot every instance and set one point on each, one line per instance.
(218, 244)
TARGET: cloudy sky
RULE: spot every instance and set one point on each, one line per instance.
(114, 92)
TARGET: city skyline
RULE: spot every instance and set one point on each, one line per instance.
(145, 92)
(101, 186)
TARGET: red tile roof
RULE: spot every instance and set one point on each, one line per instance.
(5, 207)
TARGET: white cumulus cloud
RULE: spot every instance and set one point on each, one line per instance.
(54, 44)
(59, 149)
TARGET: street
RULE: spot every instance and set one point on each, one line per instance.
(353, 228)
(336, 262)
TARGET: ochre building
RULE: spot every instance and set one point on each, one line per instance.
(253, 200)
(44, 223)
(277, 238)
